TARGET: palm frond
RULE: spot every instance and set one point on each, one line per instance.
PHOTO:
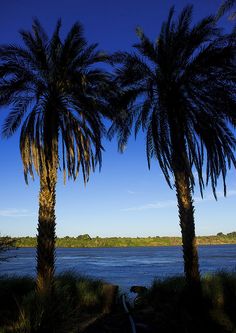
(15, 117)
(226, 6)
(53, 88)
(189, 98)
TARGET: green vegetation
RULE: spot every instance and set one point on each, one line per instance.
(6, 243)
(79, 305)
(167, 307)
(56, 94)
(76, 299)
(87, 241)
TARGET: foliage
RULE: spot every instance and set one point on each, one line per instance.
(67, 241)
(180, 90)
(12, 291)
(84, 237)
(53, 88)
(165, 307)
(88, 292)
(6, 243)
(57, 96)
(160, 92)
(226, 6)
(173, 311)
(23, 310)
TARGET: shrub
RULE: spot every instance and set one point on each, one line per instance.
(175, 311)
(12, 291)
(23, 310)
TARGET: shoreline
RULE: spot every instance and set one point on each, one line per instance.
(124, 246)
(85, 241)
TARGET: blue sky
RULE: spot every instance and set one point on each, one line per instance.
(125, 198)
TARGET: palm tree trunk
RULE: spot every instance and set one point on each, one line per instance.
(46, 230)
(186, 216)
(181, 169)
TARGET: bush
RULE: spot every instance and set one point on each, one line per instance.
(46, 314)
(88, 293)
(219, 291)
(12, 291)
(24, 311)
(6, 243)
(175, 311)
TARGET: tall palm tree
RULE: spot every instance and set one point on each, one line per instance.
(180, 90)
(57, 95)
(226, 6)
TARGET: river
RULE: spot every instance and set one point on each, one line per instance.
(124, 266)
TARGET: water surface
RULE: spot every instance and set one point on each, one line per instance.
(124, 266)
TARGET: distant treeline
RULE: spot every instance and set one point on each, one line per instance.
(87, 241)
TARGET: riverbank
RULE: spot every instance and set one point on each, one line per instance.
(80, 304)
(85, 241)
(77, 302)
(169, 306)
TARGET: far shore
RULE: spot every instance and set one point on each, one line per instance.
(85, 241)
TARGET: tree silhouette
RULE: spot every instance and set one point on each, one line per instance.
(180, 90)
(6, 243)
(57, 96)
(225, 7)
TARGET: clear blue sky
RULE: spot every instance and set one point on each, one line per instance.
(125, 198)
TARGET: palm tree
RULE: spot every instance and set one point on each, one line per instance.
(57, 96)
(180, 90)
(226, 6)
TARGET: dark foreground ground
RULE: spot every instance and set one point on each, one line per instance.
(84, 305)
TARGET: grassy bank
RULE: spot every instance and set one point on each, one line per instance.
(77, 300)
(87, 241)
(80, 305)
(167, 307)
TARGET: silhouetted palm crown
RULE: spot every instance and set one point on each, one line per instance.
(54, 91)
(183, 83)
(227, 6)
